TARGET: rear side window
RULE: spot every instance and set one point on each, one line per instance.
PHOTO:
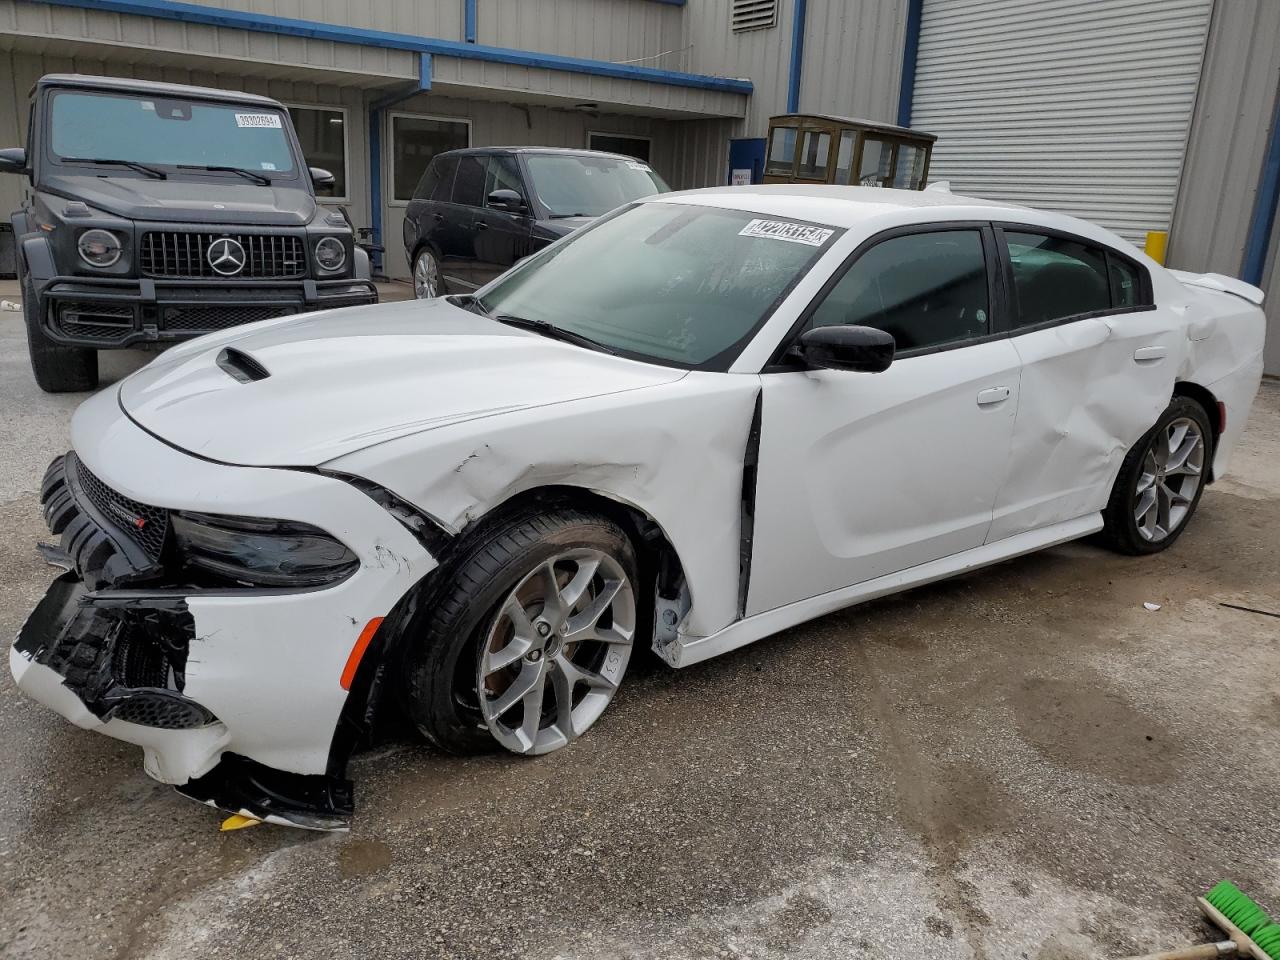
(446, 168)
(468, 187)
(427, 185)
(927, 289)
(1126, 283)
(1055, 278)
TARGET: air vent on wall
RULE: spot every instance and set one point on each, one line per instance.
(754, 14)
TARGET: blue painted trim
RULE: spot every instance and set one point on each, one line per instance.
(375, 149)
(1263, 221)
(797, 55)
(469, 21)
(314, 30)
(910, 53)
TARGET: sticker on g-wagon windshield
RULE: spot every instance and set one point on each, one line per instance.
(785, 230)
(268, 121)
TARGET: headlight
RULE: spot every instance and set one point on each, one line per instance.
(272, 553)
(99, 248)
(330, 253)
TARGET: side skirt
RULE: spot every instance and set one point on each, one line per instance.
(689, 650)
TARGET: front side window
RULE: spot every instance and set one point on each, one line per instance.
(671, 282)
(323, 137)
(813, 158)
(415, 142)
(170, 132)
(782, 151)
(503, 175)
(574, 185)
(1055, 278)
(927, 289)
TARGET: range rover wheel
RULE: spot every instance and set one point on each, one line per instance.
(427, 282)
(530, 641)
(1161, 481)
(57, 369)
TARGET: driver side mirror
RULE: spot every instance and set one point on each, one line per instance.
(321, 177)
(845, 347)
(508, 200)
(13, 160)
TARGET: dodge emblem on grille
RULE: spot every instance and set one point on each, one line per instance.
(132, 519)
(226, 256)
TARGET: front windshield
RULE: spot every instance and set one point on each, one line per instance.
(572, 185)
(670, 282)
(170, 132)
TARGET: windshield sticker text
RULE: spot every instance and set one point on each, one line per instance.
(270, 120)
(637, 165)
(790, 232)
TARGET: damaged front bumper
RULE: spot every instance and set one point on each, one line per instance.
(234, 694)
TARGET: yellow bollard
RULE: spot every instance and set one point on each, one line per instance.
(1157, 242)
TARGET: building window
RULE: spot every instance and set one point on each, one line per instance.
(415, 141)
(622, 143)
(754, 14)
(322, 132)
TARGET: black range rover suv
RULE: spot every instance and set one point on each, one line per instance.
(159, 212)
(475, 212)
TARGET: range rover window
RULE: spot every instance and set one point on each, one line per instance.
(1055, 278)
(503, 175)
(572, 185)
(427, 185)
(927, 289)
(468, 185)
(442, 190)
(169, 133)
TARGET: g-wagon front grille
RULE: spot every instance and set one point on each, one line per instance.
(265, 256)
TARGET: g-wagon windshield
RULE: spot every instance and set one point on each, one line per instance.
(168, 132)
(576, 186)
(671, 282)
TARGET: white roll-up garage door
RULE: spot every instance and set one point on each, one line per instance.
(1079, 106)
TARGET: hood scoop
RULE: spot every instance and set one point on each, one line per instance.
(240, 366)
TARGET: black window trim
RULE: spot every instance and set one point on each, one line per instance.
(1146, 292)
(997, 294)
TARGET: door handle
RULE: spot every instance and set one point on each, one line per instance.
(993, 395)
(480, 225)
(437, 217)
(1148, 354)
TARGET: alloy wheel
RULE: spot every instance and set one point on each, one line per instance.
(556, 651)
(426, 276)
(1172, 473)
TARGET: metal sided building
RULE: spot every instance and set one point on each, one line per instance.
(1144, 115)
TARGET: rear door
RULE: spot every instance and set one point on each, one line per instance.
(862, 475)
(502, 236)
(1098, 365)
(462, 222)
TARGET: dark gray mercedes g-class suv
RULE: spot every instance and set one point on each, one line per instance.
(159, 212)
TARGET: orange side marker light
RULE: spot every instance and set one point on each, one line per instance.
(357, 652)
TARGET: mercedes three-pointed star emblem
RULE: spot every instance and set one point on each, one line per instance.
(226, 256)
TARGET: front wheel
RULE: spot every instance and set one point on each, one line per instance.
(427, 281)
(531, 638)
(57, 368)
(1161, 481)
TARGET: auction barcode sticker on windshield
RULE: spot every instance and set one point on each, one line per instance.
(271, 120)
(785, 230)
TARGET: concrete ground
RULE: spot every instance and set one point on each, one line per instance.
(1021, 763)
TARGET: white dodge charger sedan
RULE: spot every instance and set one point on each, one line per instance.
(705, 418)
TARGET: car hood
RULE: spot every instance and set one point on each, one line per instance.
(343, 380)
(232, 201)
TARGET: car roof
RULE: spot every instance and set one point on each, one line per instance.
(851, 207)
(87, 82)
(565, 151)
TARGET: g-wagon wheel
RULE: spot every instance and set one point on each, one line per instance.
(556, 651)
(1161, 481)
(426, 276)
(525, 639)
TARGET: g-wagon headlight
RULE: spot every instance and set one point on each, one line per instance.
(269, 553)
(99, 248)
(330, 254)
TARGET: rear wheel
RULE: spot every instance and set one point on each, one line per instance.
(530, 641)
(427, 281)
(1161, 481)
(57, 369)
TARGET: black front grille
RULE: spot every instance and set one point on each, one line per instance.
(267, 256)
(145, 524)
(205, 319)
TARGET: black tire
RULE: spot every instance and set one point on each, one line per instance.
(443, 641)
(57, 369)
(1120, 531)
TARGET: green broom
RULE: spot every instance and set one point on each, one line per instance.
(1251, 932)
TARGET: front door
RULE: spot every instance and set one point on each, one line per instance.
(1099, 361)
(862, 475)
(503, 236)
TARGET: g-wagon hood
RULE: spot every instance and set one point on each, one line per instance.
(226, 200)
(302, 391)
